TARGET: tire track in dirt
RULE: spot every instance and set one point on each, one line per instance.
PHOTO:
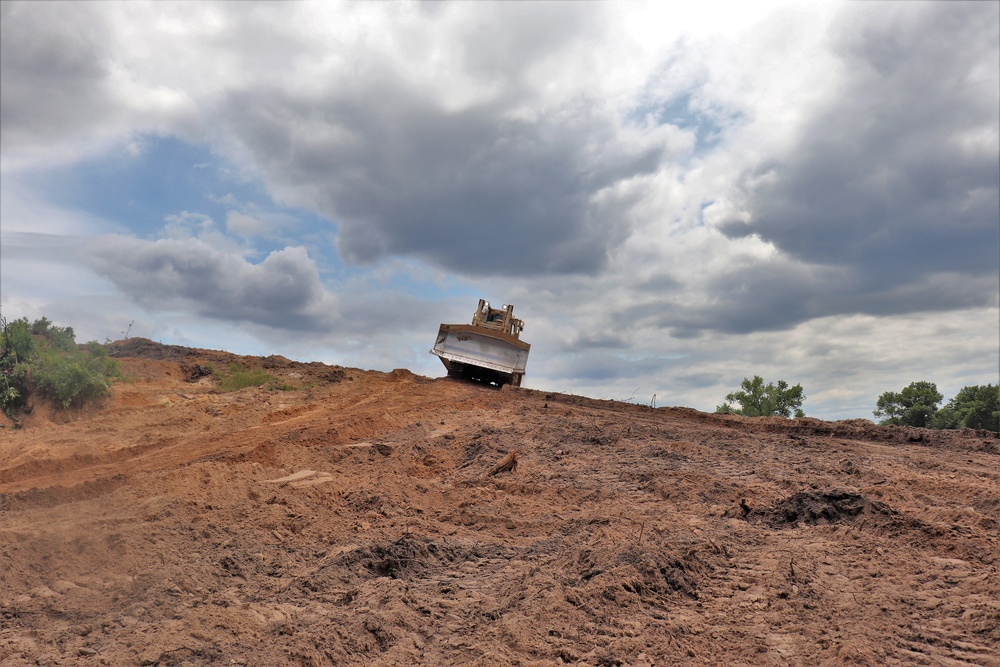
(194, 440)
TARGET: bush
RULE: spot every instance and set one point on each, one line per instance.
(45, 359)
(61, 338)
(74, 377)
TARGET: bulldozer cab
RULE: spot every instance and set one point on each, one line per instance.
(498, 319)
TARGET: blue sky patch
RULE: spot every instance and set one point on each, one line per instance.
(139, 193)
(678, 112)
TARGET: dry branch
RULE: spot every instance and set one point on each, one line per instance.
(507, 464)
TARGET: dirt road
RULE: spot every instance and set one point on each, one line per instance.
(348, 519)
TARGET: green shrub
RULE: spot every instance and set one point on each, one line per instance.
(73, 378)
(45, 359)
(62, 338)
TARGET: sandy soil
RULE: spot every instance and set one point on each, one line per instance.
(351, 520)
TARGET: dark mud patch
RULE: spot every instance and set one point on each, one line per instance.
(183, 655)
(486, 440)
(650, 574)
(664, 573)
(195, 372)
(410, 556)
(818, 508)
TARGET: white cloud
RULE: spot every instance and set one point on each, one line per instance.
(284, 291)
(245, 225)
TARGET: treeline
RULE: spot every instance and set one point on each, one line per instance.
(38, 358)
(976, 406)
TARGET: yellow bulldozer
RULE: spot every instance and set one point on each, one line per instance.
(489, 350)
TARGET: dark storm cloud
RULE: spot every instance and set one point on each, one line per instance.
(896, 180)
(471, 191)
(283, 291)
(502, 185)
(508, 39)
(772, 295)
(770, 299)
(53, 71)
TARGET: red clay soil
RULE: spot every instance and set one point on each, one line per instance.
(348, 518)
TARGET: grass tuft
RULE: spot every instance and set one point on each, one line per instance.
(239, 377)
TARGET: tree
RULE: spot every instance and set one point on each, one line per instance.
(913, 406)
(17, 348)
(17, 344)
(973, 407)
(759, 400)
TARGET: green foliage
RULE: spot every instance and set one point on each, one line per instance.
(74, 377)
(43, 358)
(915, 405)
(759, 400)
(973, 407)
(18, 345)
(238, 377)
(61, 338)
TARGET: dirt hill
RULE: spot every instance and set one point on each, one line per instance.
(350, 518)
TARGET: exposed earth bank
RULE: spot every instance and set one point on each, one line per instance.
(349, 518)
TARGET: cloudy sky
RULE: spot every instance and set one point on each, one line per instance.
(673, 199)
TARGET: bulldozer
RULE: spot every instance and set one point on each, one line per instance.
(489, 350)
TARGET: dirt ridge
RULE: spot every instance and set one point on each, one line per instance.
(349, 519)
